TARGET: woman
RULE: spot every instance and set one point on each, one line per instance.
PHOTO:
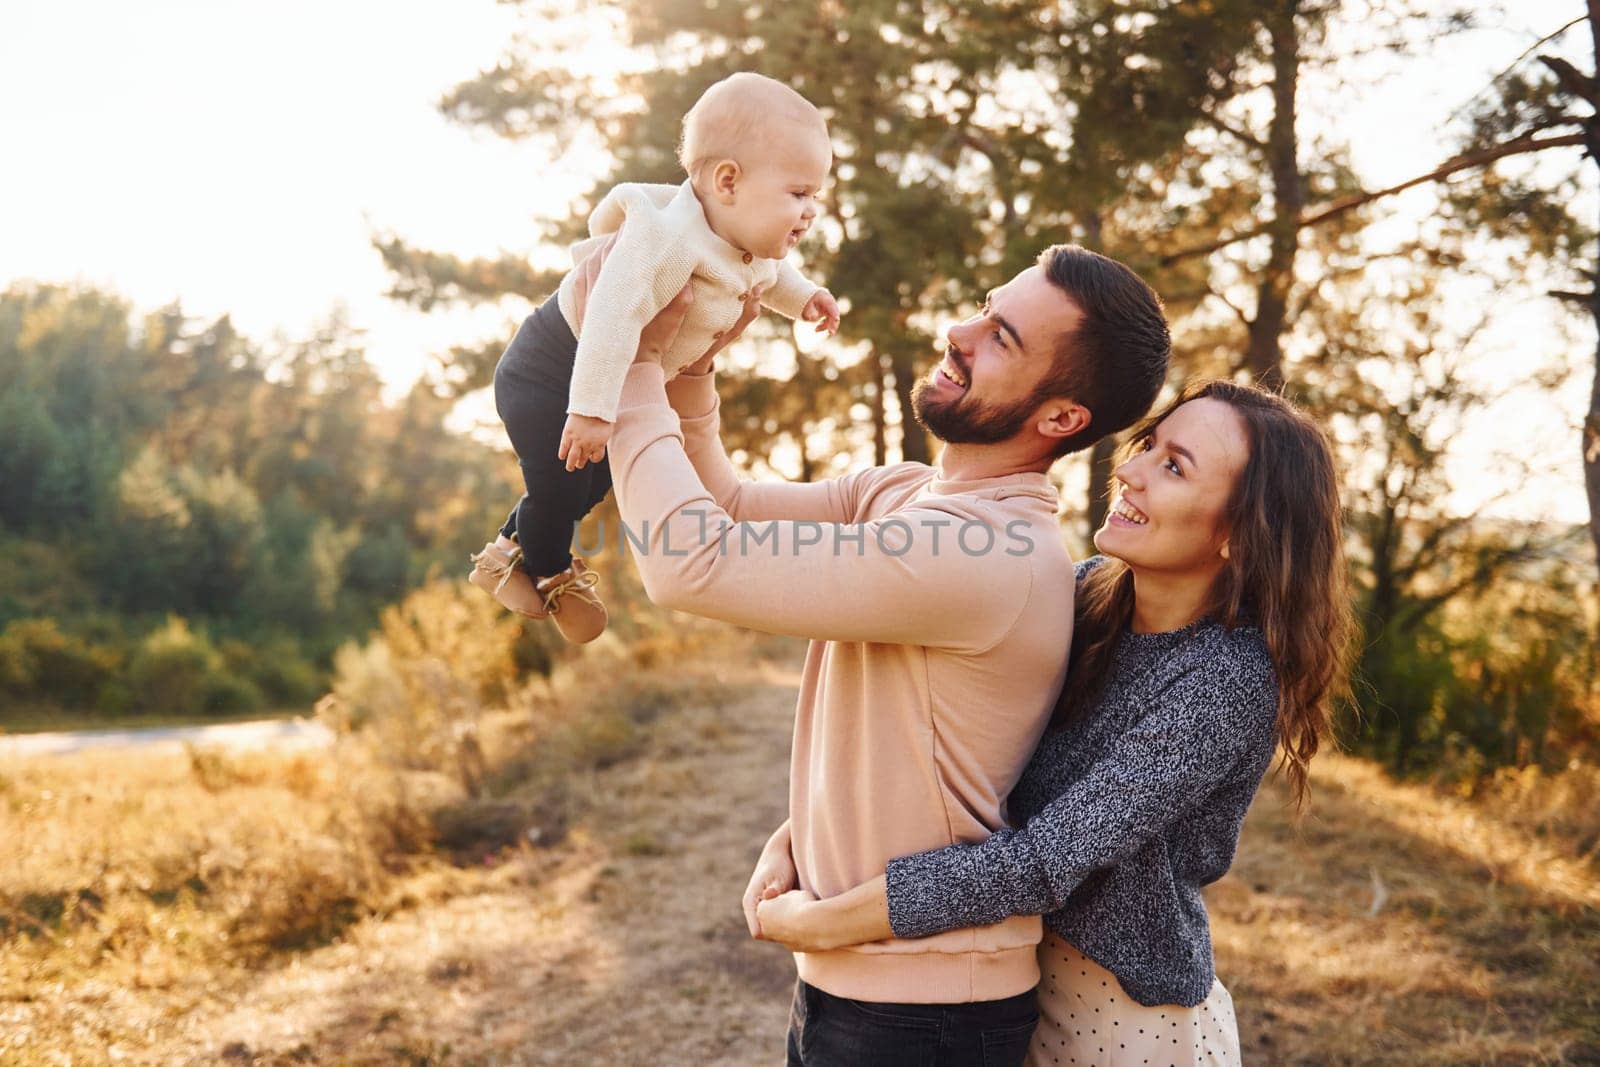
(1211, 633)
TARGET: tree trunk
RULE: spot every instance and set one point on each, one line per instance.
(913, 442)
(808, 466)
(1591, 424)
(1099, 499)
(1093, 231)
(1591, 442)
(880, 407)
(1264, 355)
(1405, 740)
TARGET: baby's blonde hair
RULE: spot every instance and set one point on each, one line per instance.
(742, 117)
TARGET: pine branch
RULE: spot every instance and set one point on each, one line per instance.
(1242, 136)
(1513, 65)
(1571, 80)
(1454, 165)
(1489, 564)
(1235, 308)
(1314, 292)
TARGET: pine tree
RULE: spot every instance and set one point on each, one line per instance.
(969, 136)
(1544, 106)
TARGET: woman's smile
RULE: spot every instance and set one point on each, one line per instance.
(1125, 514)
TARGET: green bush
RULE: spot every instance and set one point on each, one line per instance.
(177, 671)
(278, 669)
(289, 680)
(41, 665)
(116, 698)
(101, 667)
(1502, 679)
(16, 666)
(228, 694)
(418, 686)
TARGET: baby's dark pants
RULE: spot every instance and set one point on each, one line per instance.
(530, 393)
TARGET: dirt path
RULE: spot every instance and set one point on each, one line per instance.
(623, 945)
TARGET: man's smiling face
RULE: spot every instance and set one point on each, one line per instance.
(983, 390)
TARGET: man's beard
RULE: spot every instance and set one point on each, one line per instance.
(966, 421)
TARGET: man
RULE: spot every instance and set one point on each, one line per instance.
(939, 604)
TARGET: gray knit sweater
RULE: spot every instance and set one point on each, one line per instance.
(1124, 815)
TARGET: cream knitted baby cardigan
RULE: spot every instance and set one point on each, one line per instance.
(666, 243)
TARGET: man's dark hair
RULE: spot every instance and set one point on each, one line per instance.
(1115, 361)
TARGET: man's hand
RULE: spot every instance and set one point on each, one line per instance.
(659, 333)
(774, 875)
(589, 273)
(747, 315)
(657, 336)
(823, 310)
(583, 441)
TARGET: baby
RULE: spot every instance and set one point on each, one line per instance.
(756, 153)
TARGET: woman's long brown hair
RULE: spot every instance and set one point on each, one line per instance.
(1285, 573)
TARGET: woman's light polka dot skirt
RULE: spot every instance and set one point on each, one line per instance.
(1086, 1019)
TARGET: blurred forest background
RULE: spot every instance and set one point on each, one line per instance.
(193, 522)
(198, 525)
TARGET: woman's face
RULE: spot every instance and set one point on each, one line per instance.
(1170, 511)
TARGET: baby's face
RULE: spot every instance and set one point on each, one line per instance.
(776, 199)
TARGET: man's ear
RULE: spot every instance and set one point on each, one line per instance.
(1063, 418)
(725, 180)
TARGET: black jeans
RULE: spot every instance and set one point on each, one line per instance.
(531, 383)
(830, 1031)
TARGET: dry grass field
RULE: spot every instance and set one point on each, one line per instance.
(321, 908)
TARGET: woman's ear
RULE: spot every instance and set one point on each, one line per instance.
(725, 180)
(1224, 550)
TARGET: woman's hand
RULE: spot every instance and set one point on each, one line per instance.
(805, 924)
(795, 920)
(774, 874)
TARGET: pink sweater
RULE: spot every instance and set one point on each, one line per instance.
(940, 614)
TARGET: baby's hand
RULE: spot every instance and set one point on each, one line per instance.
(823, 310)
(583, 441)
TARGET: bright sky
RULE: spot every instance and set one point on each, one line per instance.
(240, 155)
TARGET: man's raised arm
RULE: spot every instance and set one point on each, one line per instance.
(898, 580)
(694, 397)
